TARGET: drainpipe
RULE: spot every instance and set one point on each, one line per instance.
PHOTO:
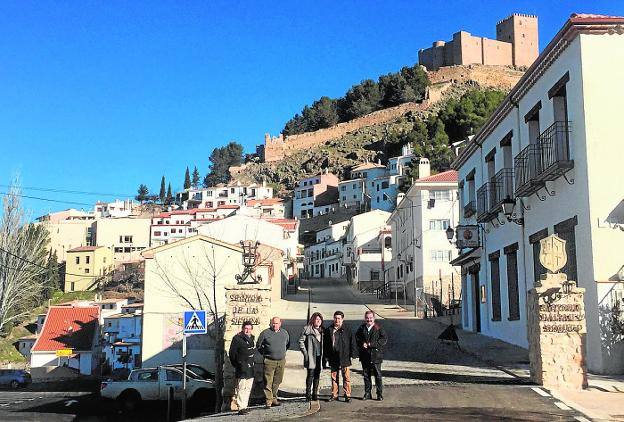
(522, 243)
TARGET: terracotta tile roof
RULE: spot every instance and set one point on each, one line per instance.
(68, 327)
(266, 201)
(286, 223)
(85, 248)
(228, 207)
(445, 176)
(581, 17)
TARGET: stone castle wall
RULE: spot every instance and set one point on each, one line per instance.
(277, 147)
(516, 44)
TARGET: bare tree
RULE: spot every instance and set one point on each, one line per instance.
(22, 261)
(195, 285)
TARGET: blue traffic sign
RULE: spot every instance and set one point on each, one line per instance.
(195, 322)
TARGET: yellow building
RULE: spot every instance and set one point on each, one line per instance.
(85, 266)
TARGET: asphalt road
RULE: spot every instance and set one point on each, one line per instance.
(73, 406)
(424, 378)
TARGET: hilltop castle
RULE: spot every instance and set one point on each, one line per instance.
(516, 44)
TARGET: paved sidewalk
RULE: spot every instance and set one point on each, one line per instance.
(603, 400)
(288, 410)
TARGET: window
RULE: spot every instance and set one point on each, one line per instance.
(378, 187)
(209, 193)
(343, 188)
(374, 275)
(565, 230)
(231, 190)
(365, 174)
(173, 375)
(104, 260)
(439, 224)
(440, 194)
(354, 196)
(344, 198)
(86, 271)
(353, 186)
(495, 280)
(388, 242)
(155, 234)
(534, 240)
(77, 260)
(87, 259)
(532, 120)
(440, 256)
(127, 250)
(118, 249)
(71, 288)
(511, 253)
(385, 185)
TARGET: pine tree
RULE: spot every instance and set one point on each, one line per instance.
(169, 195)
(195, 181)
(142, 193)
(161, 195)
(187, 179)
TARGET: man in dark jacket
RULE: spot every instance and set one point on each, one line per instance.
(371, 339)
(339, 348)
(242, 351)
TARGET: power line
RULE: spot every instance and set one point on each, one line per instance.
(45, 199)
(55, 190)
(43, 266)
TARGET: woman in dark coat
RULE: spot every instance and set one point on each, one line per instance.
(311, 345)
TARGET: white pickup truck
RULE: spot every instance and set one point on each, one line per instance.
(155, 384)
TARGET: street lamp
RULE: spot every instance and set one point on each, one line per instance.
(450, 233)
(250, 259)
(508, 205)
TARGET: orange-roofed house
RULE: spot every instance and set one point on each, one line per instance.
(70, 328)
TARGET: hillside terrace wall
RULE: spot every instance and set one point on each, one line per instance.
(277, 147)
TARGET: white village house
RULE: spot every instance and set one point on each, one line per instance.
(552, 151)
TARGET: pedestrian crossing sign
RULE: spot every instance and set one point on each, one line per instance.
(195, 322)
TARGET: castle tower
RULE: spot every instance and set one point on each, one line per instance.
(521, 31)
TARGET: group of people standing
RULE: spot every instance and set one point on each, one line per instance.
(322, 347)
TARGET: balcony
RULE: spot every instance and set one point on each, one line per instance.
(543, 161)
(485, 202)
(555, 151)
(527, 166)
(503, 187)
(470, 209)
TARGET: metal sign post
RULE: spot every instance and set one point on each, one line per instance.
(184, 376)
(194, 323)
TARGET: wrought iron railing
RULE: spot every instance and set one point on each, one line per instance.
(470, 209)
(485, 196)
(527, 166)
(555, 143)
(503, 187)
(545, 160)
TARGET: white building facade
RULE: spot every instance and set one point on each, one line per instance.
(421, 251)
(551, 147)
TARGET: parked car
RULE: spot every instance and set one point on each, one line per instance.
(154, 384)
(202, 372)
(15, 378)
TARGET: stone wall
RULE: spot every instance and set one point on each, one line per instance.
(276, 148)
(556, 333)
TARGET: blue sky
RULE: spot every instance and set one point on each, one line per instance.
(102, 96)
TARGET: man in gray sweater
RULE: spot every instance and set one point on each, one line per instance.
(272, 345)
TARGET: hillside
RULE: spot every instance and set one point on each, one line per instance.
(344, 148)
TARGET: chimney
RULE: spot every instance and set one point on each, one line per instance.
(424, 169)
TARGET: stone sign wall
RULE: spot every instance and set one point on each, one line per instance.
(244, 302)
(556, 330)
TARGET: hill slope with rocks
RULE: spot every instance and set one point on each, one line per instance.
(459, 99)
